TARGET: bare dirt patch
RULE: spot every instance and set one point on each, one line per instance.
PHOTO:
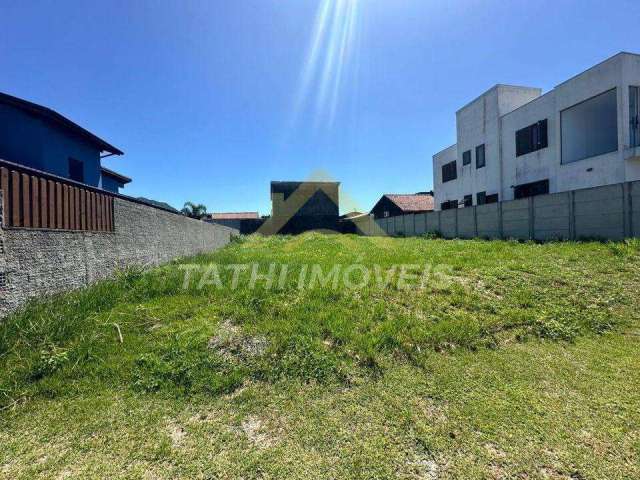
(230, 342)
(177, 434)
(255, 430)
(425, 469)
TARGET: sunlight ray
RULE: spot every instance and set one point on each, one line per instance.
(311, 63)
(343, 57)
(332, 44)
(330, 54)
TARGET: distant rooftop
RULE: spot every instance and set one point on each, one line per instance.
(353, 214)
(234, 215)
(288, 188)
(415, 202)
(278, 186)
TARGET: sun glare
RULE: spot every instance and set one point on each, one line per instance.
(331, 54)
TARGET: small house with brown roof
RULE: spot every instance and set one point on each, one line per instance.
(393, 204)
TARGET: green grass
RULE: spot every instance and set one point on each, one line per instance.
(518, 360)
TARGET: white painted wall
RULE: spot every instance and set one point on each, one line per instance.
(450, 190)
(535, 165)
(478, 123)
(494, 117)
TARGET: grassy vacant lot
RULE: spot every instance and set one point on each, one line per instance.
(520, 361)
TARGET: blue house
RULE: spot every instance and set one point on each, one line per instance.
(40, 138)
(112, 181)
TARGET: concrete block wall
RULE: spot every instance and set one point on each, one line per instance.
(39, 262)
(432, 222)
(598, 212)
(420, 222)
(611, 212)
(448, 223)
(516, 219)
(488, 220)
(391, 226)
(467, 223)
(410, 224)
(399, 225)
(366, 225)
(634, 209)
(551, 214)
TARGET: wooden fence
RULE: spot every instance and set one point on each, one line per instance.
(36, 200)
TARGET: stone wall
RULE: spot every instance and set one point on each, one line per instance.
(34, 262)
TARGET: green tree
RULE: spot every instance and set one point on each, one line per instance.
(192, 210)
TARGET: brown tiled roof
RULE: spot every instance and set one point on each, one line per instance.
(412, 202)
(234, 215)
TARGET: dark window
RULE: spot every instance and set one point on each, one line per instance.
(532, 138)
(466, 157)
(492, 198)
(449, 205)
(76, 170)
(531, 189)
(590, 128)
(449, 172)
(634, 115)
(468, 200)
(480, 160)
(482, 198)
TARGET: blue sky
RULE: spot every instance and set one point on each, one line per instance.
(212, 100)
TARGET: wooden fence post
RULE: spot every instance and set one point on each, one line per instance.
(44, 206)
(35, 202)
(26, 201)
(59, 221)
(52, 204)
(83, 209)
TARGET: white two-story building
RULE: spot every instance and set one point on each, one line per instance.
(515, 142)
